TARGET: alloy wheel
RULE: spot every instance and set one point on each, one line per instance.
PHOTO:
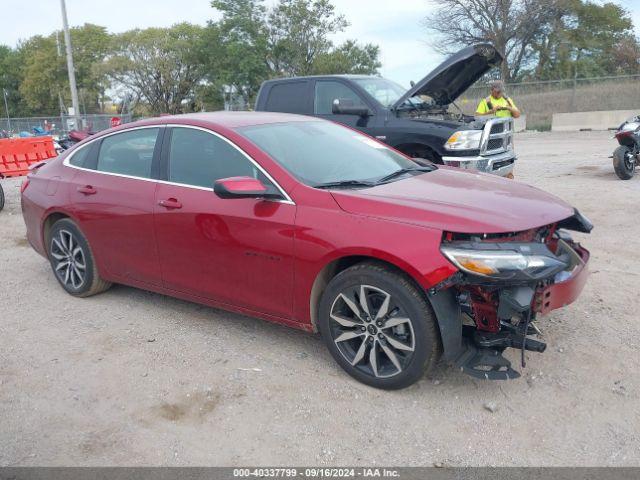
(372, 331)
(69, 259)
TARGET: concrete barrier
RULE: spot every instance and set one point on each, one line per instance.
(571, 122)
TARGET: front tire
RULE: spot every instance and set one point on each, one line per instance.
(624, 163)
(378, 326)
(1, 198)
(72, 261)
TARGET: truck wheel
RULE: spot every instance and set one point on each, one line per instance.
(418, 152)
(378, 326)
(1, 198)
(72, 261)
(624, 163)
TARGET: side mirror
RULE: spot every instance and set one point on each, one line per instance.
(242, 187)
(345, 106)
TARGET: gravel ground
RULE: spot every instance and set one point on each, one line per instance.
(134, 378)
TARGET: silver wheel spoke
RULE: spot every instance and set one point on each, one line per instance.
(360, 353)
(81, 266)
(395, 321)
(61, 265)
(67, 274)
(363, 301)
(351, 304)
(57, 256)
(348, 336)
(57, 244)
(346, 322)
(384, 308)
(397, 344)
(373, 358)
(78, 274)
(392, 356)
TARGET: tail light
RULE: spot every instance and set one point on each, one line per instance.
(25, 184)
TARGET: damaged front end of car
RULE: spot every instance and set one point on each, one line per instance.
(504, 283)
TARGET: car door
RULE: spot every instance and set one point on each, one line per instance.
(233, 251)
(326, 91)
(112, 196)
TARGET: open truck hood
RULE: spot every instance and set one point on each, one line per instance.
(455, 75)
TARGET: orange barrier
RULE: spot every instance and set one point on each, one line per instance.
(18, 154)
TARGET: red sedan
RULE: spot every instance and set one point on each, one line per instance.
(310, 224)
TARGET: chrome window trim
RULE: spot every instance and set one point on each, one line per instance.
(287, 199)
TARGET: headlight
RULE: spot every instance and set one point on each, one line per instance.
(504, 264)
(464, 140)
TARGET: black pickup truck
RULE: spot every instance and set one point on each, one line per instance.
(419, 122)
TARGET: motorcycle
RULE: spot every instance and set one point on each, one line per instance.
(627, 155)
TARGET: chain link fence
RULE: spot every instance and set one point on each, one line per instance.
(60, 125)
(540, 100)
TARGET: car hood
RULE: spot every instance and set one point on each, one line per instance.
(455, 75)
(452, 200)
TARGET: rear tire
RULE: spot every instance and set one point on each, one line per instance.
(623, 163)
(1, 198)
(387, 341)
(72, 260)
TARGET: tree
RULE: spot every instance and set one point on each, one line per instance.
(252, 43)
(348, 58)
(159, 65)
(44, 72)
(510, 25)
(299, 33)
(233, 52)
(10, 79)
(546, 39)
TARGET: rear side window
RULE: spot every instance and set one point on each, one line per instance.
(328, 91)
(289, 97)
(79, 157)
(200, 158)
(128, 153)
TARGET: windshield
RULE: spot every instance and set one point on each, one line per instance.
(383, 90)
(319, 152)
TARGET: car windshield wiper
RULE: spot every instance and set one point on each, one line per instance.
(402, 171)
(345, 183)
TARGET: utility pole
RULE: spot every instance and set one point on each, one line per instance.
(70, 69)
(6, 107)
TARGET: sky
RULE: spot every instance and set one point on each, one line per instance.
(397, 26)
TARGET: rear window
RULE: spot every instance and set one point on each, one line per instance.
(289, 97)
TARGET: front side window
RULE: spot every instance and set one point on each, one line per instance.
(199, 158)
(384, 91)
(328, 91)
(319, 152)
(128, 153)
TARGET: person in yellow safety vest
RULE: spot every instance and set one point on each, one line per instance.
(497, 103)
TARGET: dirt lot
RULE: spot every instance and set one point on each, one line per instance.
(134, 378)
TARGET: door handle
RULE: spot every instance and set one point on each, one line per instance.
(88, 190)
(170, 203)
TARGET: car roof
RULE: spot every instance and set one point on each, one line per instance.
(224, 119)
(311, 77)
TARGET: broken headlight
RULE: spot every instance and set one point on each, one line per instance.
(504, 261)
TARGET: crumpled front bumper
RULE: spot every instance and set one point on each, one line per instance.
(562, 293)
(500, 164)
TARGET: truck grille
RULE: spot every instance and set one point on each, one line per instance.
(497, 136)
